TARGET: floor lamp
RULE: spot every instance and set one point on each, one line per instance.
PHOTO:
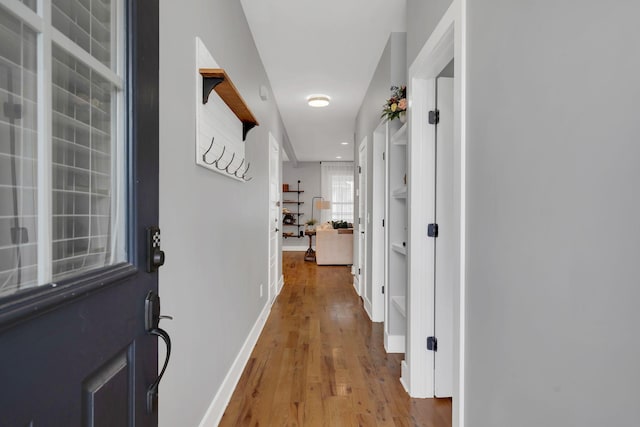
(319, 204)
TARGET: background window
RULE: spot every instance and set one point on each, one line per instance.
(337, 186)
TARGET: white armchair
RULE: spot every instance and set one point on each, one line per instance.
(334, 246)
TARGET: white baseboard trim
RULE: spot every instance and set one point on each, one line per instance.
(219, 403)
(394, 343)
(367, 307)
(295, 248)
(356, 285)
(404, 372)
(280, 284)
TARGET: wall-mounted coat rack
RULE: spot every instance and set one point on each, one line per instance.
(223, 119)
(220, 160)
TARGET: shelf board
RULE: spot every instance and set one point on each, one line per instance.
(400, 193)
(397, 247)
(218, 80)
(292, 202)
(294, 225)
(400, 137)
(401, 304)
(294, 191)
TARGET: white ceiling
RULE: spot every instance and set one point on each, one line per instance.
(330, 47)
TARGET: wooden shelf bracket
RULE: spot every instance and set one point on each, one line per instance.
(218, 80)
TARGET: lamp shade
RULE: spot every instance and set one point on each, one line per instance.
(323, 204)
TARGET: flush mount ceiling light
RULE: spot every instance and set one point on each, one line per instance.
(318, 100)
(344, 143)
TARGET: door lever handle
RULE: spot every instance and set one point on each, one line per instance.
(152, 391)
(152, 320)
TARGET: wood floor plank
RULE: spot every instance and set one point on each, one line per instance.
(320, 362)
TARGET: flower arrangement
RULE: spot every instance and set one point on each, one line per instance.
(310, 223)
(395, 105)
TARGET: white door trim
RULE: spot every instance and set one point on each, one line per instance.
(446, 42)
(362, 216)
(378, 238)
(274, 222)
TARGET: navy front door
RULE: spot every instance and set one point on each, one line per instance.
(75, 349)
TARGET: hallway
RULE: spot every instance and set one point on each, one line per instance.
(321, 362)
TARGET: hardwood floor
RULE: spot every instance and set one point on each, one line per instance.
(321, 362)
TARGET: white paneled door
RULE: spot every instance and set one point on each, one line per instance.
(274, 215)
(445, 244)
(362, 217)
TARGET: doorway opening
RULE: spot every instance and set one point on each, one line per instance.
(436, 181)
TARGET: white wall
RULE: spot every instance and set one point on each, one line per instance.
(553, 208)
(214, 229)
(309, 175)
(422, 18)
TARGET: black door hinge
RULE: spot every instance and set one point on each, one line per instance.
(383, 156)
(432, 230)
(359, 169)
(358, 271)
(432, 343)
(434, 117)
(382, 289)
(383, 222)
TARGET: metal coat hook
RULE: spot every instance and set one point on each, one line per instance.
(233, 156)
(227, 168)
(239, 171)
(236, 171)
(224, 148)
(245, 171)
(204, 156)
(245, 174)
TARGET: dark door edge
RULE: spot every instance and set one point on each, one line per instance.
(42, 299)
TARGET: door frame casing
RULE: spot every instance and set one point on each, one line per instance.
(446, 42)
(362, 217)
(273, 142)
(375, 306)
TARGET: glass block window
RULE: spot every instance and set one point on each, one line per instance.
(81, 166)
(61, 148)
(18, 154)
(31, 4)
(87, 23)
